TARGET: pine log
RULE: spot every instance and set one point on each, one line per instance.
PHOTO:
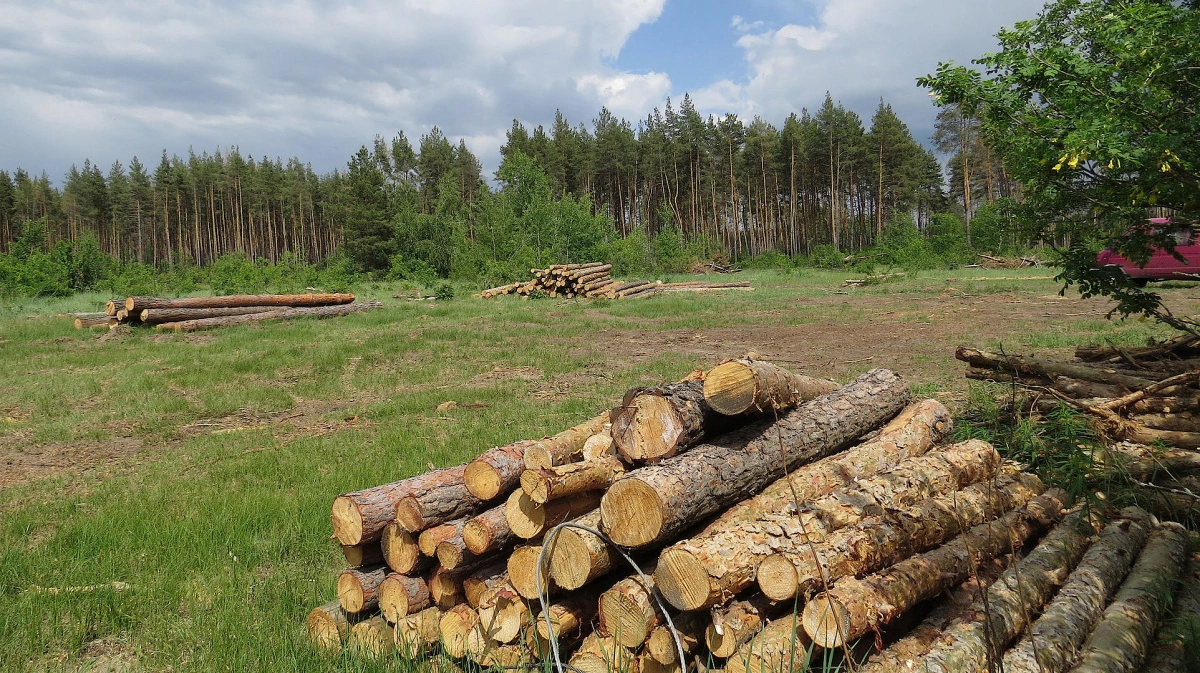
(401, 595)
(285, 300)
(854, 606)
(329, 625)
(695, 575)
(552, 483)
(1121, 639)
(1004, 612)
(600, 654)
(628, 611)
(401, 552)
(893, 536)
(488, 576)
(456, 624)
(278, 314)
(98, 321)
(568, 616)
(523, 573)
(430, 538)
(660, 645)
(658, 502)
(110, 307)
(497, 471)
(577, 557)
(1144, 463)
(487, 653)
(361, 516)
(488, 532)
(502, 613)
(736, 622)
(528, 520)
(781, 647)
(452, 552)
(1048, 368)
(643, 291)
(417, 633)
(367, 554)
(358, 589)
(1178, 641)
(647, 664)
(656, 423)
(373, 637)
(435, 506)
(446, 587)
(599, 445)
(157, 316)
(1054, 640)
(124, 316)
(738, 386)
(558, 449)
(1072, 388)
(1179, 422)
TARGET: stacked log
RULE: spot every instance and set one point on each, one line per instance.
(193, 313)
(594, 280)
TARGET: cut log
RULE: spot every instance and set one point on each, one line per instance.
(558, 449)
(781, 647)
(855, 606)
(660, 645)
(452, 553)
(1048, 368)
(628, 612)
(528, 520)
(401, 595)
(600, 654)
(329, 625)
(454, 627)
(96, 321)
(1177, 641)
(658, 502)
(502, 613)
(285, 300)
(599, 445)
(417, 633)
(1052, 644)
(435, 506)
(367, 554)
(446, 587)
(280, 314)
(1144, 463)
(497, 471)
(546, 484)
(577, 557)
(1121, 639)
(738, 386)
(736, 622)
(695, 575)
(522, 573)
(895, 535)
(430, 538)
(476, 583)
(361, 516)
(157, 316)
(401, 552)
(111, 306)
(358, 589)
(568, 616)
(656, 423)
(373, 637)
(487, 532)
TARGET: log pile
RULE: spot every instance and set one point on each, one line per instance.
(594, 280)
(188, 314)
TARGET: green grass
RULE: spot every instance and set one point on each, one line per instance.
(233, 443)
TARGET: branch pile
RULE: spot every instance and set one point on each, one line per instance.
(594, 280)
(195, 313)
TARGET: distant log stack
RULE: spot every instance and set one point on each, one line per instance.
(594, 280)
(188, 314)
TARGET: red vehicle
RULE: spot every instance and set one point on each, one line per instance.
(1162, 264)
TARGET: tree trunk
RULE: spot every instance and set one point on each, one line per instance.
(1047, 368)
(487, 532)
(455, 626)
(446, 587)
(855, 606)
(476, 583)
(628, 612)
(895, 535)
(660, 644)
(546, 484)
(435, 506)
(329, 625)
(569, 616)
(156, 316)
(401, 595)
(736, 622)
(358, 590)
(95, 321)
(599, 445)
(497, 471)
(1181, 634)
(657, 502)
(739, 386)
(281, 314)
(401, 552)
(361, 516)
(367, 554)
(452, 552)
(781, 647)
(1121, 639)
(558, 449)
(577, 557)
(373, 637)
(431, 537)
(417, 633)
(656, 423)
(522, 572)
(528, 519)
(601, 654)
(1052, 644)
(695, 575)
(133, 304)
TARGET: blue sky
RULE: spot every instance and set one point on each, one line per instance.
(109, 80)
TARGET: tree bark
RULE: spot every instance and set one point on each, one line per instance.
(329, 625)
(693, 575)
(157, 316)
(435, 506)
(658, 502)
(559, 449)
(358, 590)
(488, 532)
(577, 557)
(454, 627)
(528, 519)
(373, 637)
(280, 314)
(361, 516)
(656, 423)
(522, 572)
(417, 633)
(855, 606)
(286, 300)
(738, 386)
(628, 612)
(1047, 368)
(94, 321)
(367, 554)
(497, 471)
(1120, 641)
(1054, 640)
(736, 622)
(401, 595)
(431, 537)
(1181, 634)
(401, 552)
(546, 484)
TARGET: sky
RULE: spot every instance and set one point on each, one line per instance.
(108, 80)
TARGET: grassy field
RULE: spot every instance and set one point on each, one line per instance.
(198, 469)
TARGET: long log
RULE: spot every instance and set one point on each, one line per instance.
(329, 625)
(401, 595)
(1048, 368)
(487, 532)
(522, 572)
(546, 484)
(656, 423)
(401, 552)
(628, 612)
(1177, 641)
(430, 538)
(558, 449)
(435, 506)
(361, 516)
(855, 606)
(496, 471)
(1053, 642)
(692, 575)
(528, 520)
(1121, 639)
(280, 314)
(358, 589)
(779, 648)
(320, 299)
(893, 536)
(367, 554)
(577, 557)
(738, 386)
(82, 322)
(373, 637)
(417, 633)
(157, 316)
(658, 502)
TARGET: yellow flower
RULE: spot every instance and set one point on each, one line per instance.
(1074, 162)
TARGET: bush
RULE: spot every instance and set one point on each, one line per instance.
(826, 256)
(770, 259)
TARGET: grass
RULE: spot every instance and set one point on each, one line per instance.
(198, 469)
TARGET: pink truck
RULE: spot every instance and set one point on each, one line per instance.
(1162, 264)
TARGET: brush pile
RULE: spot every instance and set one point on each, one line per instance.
(594, 280)
(195, 313)
(501, 560)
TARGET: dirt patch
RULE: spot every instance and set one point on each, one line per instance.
(507, 373)
(22, 460)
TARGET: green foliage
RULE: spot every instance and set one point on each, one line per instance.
(771, 259)
(994, 230)
(826, 256)
(1094, 105)
(30, 269)
(444, 291)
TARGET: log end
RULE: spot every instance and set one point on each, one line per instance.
(649, 429)
(130, 304)
(536, 486)
(409, 516)
(400, 551)
(449, 555)
(632, 513)
(373, 637)
(347, 521)
(393, 599)
(444, 590)
(455, 627)
(722, 644)
(538, 457)
(526, 518)
(522, 572)
(477, 536)
(683, 580)
(826, 621)
(482, 480)
(730, 388)
(350, 592)
(327, 627)
(625, 620)
(570, 559)
(777, 578)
